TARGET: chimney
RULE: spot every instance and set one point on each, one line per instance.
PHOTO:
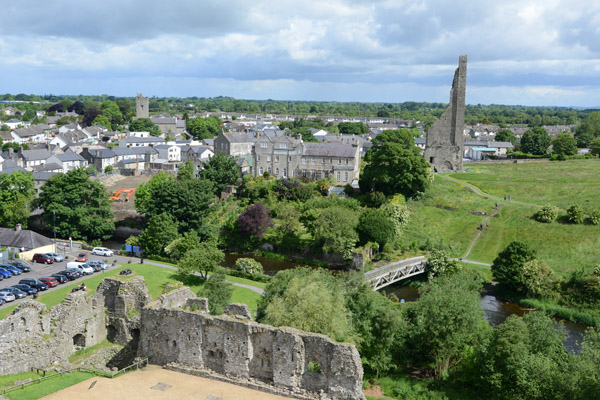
(300, 137)
(20, 151)
(18, 227)
(11, 153)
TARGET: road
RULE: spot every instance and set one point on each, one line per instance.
(43, 270)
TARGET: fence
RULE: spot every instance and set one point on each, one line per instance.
(140, 364)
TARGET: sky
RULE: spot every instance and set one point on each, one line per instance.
(520, 52)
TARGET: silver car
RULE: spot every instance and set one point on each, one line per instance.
(103, 251)
(7, 297)
(102, 264)
(56, 257)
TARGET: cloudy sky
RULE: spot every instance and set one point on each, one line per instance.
(539, 52)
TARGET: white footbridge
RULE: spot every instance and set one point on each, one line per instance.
(395, 272)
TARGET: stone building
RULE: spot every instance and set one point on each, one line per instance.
(445, 142)
(287, 157)
(142, 106)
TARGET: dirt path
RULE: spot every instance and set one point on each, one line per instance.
(157, 383)
(483, 228)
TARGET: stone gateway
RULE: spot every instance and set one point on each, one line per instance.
(444, 146)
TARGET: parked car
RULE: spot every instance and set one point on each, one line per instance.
(60, 278)
(13, 270)
(5, 273)
(26, 288)
(56, 257)
(102, 264)
(82, 257)
(23, 267)
(103, 251)
(19, 294)
(49, 281)
(71, 274)
(95, 267)
(7, 297)
(82, 267)
(42, 258)
(34, 283)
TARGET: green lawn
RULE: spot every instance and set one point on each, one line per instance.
(442, 218)
(156, 279)
(558, 183)
(48, 386)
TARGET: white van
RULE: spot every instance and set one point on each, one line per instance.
(81, 267)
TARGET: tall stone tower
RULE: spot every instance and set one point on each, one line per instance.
(141, 106)
(444, 148)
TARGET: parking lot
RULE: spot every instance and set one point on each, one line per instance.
(39, 270)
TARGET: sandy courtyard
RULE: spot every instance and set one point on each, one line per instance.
(157, 383)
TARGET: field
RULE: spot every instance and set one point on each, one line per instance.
(442, 218)
(156, 279)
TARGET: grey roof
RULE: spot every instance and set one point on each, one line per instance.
(8, 167)
(421, 140)
(69, 157)
(235, 137)
(23, 238)
(209, 142)
(102, 153)
(5, 135)
(125, 151)
(43, 175)
(197, 149)
(181, 123)
(34, 155)
(503, 145)
(329, 150)
(28, 132)
(151, 139)
(164, 120)
(47, 167)
(165, 146)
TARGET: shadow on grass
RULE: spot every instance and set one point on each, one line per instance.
(187, 280)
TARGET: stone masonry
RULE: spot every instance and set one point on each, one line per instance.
(142, 105)
(444, 147)
(176, 331)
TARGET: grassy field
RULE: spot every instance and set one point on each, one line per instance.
(51, 385)
(558, 183)
(156, 279)
(442, 218)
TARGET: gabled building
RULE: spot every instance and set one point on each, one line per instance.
(234, 144)
(68, 161)
(99, 157)
(29, 159)
(141, 141)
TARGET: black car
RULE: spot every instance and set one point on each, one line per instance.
(60, 278)
(70, 274)
(19, 294)
(34, 283)
(26, 288)
(21, 266)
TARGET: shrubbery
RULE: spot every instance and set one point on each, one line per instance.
(575, 214)
(547, 214)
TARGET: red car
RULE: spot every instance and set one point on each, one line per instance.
(82, 257)
(49, 281)
(42, 258)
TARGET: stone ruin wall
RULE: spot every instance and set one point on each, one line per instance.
(176, 331)
(253, 354)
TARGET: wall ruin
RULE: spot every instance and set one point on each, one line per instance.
(444, 148)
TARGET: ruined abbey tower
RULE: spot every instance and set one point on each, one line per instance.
(444, 147)
(141, 106)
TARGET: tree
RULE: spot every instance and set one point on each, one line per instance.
(564, 144)
(76, 107)
(58, 107)
(547, 214)
(254, 221)
(102, 120)
(79, 206)
(204, 128)
(374, 225)
(16, 195)
(352, 128)
(161, 231)
(178, 247)
(395, 165)
(535, 141)
(218, 292)
(446, 322)
(312, 302)
(595, 147)
(539, 278)
(333, 228)
(112, 112)
(438, 264)
(507, 268)
(143, 194)
(186, 171)
(588, 129)
(222, 170)
(203, 259)
(90, 115)
(144, 125)
(575, 214)
(399, 215)
(506, 135)
(248, 266)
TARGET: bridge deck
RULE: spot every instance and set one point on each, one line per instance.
(396, 271)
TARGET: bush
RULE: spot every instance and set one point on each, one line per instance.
(595, 217)
(575, 214)
(249, 266)
(507, 268)
(375, 226)
(547, 214)
(375, 199)
(108, 169)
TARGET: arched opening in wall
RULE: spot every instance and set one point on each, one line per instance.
(79, 341)
(111, 333)
(135, 338)
(448, 166)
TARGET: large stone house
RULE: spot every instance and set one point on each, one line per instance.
(287, 157)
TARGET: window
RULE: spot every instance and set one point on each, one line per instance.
(285, 172)
(346, 161)
(290, 158)
(260, 171)
(345, 177)
(283, 145)
(264, 145)
(324, 161)
(304, 173)
(276, 171)
(258, 157)
(276, 158)
(268, 158)
(269, 169)
(339, 160)
(339, 176)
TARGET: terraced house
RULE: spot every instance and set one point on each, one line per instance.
(287, 157)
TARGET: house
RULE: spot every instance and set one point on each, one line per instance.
(170, 152)
(67, 161)
(234, 144)
(169, 125)
(14, 123)
(141, 141)
(29, 159)
(196, 153)
(25, 242)
(72, 136)
(99, 157)
(31, 134)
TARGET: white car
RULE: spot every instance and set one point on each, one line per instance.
(103, 251)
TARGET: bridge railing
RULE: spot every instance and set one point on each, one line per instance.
(394, 272)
